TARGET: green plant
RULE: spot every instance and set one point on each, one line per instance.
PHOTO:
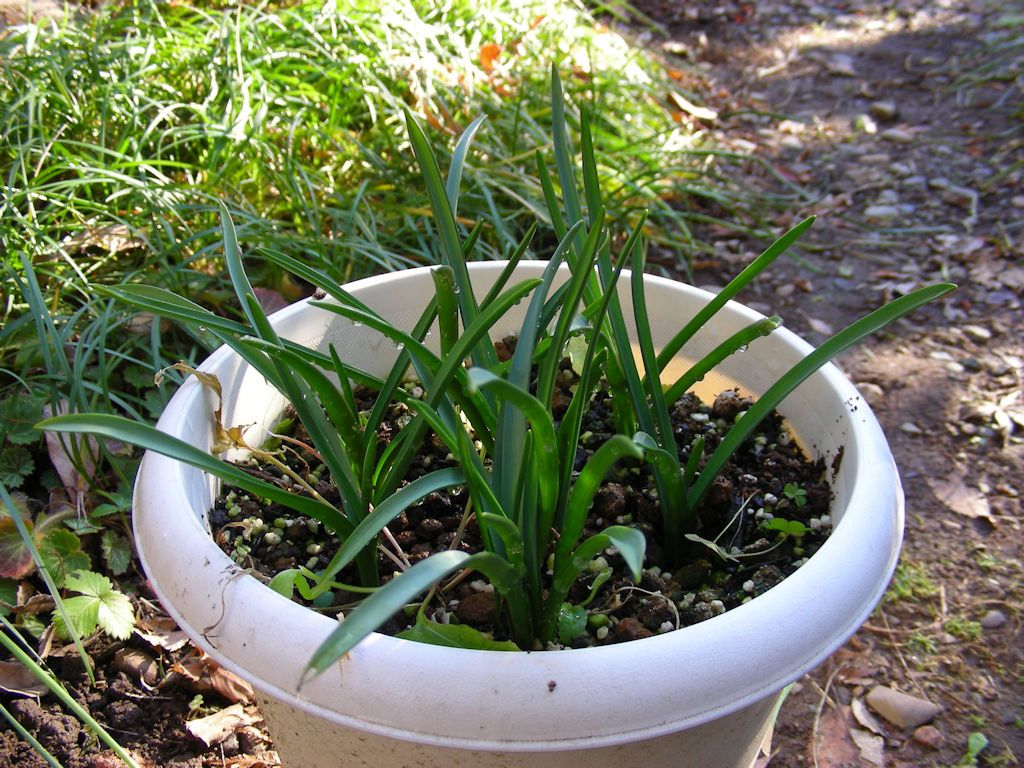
(977, 743)
(12, 510)
(517, 460)
(911, 581)
(963, 629)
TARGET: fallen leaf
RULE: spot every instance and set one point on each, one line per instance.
(831, 745)
(112, 238)
(161, 633)
(19, 680)
(819, 326)
(213, 729)
(959, 497)
(207, 676)
(58, 446)
(489, 52)
(701, 113)
(863, 716)
(872, 748)
(138, 665)
(266, 760)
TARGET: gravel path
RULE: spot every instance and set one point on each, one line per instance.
(900, 125)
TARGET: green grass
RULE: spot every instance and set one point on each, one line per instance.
(120, 133)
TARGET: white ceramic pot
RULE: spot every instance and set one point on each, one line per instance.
(700, 697)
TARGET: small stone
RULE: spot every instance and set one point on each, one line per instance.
(883, 110)
(910, 428)
(873, 393)
(960, 196)
(881, 212)
(729, 403)
(978, 332)
(940, 182)
(897, 135)
(901, 169)
(993, 619)
(1017, 201)
(929, 736)
(901, 709)
(841, 64)
(865, 124)
(888, 196)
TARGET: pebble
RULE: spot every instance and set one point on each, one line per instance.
(872, 393)
(910, 428)
(1017, 201)
(897, 135)
(993, 619)
(978, 332)
(888, 196)
(929, 736)
(865, 124)
(940, 182)
(881, 212)
(901, 709)
(901, 169)
(883, 110)
(960, 196)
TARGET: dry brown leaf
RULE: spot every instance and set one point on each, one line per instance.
(213, 729)
(112, 238)
(207, 676)
(831, 745)
(75, 483)
(872, 748)
(701, 113)
(863, 715)
(266, 760)
(19, 680)
(161, 632)
(489, 53)
(959, 497)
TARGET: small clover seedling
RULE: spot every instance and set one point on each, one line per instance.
(795, 493)
(793, 528)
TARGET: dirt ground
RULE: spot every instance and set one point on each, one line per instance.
(900, 125)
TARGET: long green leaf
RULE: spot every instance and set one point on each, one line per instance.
(586, 486)
(393, 596)
(458, 162)
(796, 375)
(145, 436)
(563, 152)
(388, 510)
(706, 364)
(756, 267)
(545, 453)
(447, 229)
